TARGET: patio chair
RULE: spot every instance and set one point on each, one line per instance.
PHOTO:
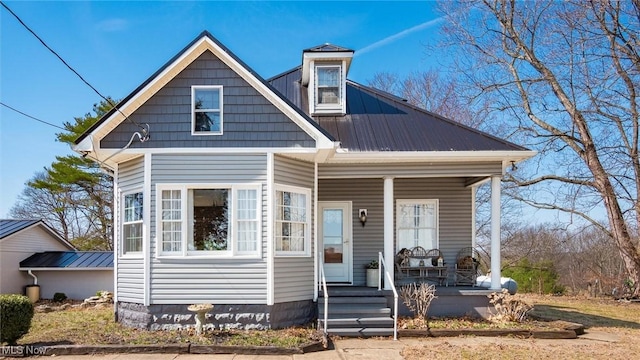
(466, 267)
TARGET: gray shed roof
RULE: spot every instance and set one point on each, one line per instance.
(379, 121)
(8, 226)
(69, 260)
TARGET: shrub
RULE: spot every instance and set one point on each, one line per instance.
(59, 297)
(540, 277)
(16, 312)
(418, 299)
(509, 307)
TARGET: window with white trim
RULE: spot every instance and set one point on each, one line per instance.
(328, 91)
(206, 110)
(209, 220)
(292, 222)
(417, 224)
(132, 223)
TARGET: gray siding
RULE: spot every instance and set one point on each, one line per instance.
(293, 277)
(217, 281)
(249, 120)
(130, 272)
(409, 170)
(364, 194)
(454, 205)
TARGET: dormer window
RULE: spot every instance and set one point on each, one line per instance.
(328, 92)
(324, 72)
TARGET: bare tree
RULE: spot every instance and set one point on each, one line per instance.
(431, 91)
(565, 77)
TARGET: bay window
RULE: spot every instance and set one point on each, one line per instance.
(132, 223)
(292, 221)
(208, 220)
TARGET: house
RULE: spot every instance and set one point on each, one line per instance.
(239, 191)
(31, 252)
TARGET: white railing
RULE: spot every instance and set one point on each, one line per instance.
(382, 264)
(323, 283)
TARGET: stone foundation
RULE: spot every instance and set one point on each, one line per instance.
(247, 317)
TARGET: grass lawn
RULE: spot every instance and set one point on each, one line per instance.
(619, 319)
(97, 327)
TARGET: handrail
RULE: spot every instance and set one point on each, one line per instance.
(382, 263)
(323, 282)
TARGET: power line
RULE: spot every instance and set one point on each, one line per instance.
(71, 68)
(32, 117)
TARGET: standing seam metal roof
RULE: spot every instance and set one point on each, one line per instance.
(69, 260)
(9, 227)
(379, 121)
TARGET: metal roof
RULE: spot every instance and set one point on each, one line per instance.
(8, 227)
(69, 260)
(327, 48)
(379, 121)
(12, 226)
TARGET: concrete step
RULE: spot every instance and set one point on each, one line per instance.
(361, 332)
(354, 300)
(355, 309)
(359, 322)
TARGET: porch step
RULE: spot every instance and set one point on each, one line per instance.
(361, 332)
(357, 313)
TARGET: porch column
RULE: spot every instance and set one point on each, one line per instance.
(495, 233)
(388, 228)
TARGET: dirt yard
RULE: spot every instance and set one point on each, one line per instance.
(613, 330)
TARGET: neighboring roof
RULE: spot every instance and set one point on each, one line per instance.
(69, 260)
(159, 72)
(378, 121)
(8, 227)
(12, 226)
(327, 48)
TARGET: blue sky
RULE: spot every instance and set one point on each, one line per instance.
(115, 46)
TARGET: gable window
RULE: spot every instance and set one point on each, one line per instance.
(132, 223)
(417, 224)
(208, 220)
(328, 87)
(292, 236)
(206, 110)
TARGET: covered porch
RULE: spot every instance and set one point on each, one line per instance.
(440, 210)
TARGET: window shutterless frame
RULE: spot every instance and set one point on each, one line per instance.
(417, 223)
(292, 221)
(175, 220)
(207, 110)
(328, 78)
(132, 224)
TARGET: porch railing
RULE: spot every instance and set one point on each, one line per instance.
(383, 264)
(323, 284)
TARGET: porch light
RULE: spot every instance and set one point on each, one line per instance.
(363, 216)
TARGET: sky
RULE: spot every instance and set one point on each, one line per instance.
(116, 46)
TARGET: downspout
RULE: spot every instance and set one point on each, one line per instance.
(35, 278)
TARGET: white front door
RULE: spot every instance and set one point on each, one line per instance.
(334, 231)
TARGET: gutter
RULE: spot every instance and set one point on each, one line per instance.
(35, 278)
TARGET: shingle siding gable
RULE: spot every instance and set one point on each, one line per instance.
(250, 120)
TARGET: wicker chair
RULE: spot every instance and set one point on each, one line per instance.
(466, 267)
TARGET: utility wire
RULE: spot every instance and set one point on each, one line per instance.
(32, 117)
(70, 68)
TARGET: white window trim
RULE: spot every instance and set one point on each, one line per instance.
(121, 252)
(232, 252)
(193, 112)
(313, 87)
(307, 232)
(401, 202)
